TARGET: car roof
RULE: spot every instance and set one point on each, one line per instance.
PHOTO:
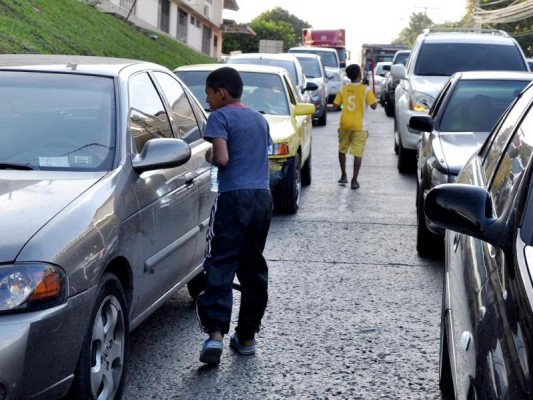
(239, 67)
(321, 48)
(307, 55)
(496, 75)
(267, 56)
(468, 37)
(64, 63)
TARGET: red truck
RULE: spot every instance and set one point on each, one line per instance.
(334, 38)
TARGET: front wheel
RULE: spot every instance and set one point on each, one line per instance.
(445, 370)
(101, 369)
(287, 192)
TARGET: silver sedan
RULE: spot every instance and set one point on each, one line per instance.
(104, 200)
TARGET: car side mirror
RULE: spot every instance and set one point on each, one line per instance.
(398, 71)
(465, 209)
(422, 123)
(311, 86)
(160, 153)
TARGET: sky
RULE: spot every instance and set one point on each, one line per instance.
(376, 22)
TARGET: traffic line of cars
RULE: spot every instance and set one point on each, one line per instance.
(463, 114)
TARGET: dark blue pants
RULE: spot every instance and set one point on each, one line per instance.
(238, 229)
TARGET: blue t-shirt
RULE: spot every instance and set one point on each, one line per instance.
(247, 135)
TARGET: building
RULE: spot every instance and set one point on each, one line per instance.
(197, 23)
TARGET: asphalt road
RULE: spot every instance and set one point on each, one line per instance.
(353, 311)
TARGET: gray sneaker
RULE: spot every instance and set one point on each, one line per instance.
(247, 351)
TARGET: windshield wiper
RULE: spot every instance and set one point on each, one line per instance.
(16, 165)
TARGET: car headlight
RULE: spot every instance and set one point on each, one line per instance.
(278, 149)
(421, 102)
(31, 286)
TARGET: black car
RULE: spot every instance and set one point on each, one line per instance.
(386, 96)
(486, 346)
(459, 121)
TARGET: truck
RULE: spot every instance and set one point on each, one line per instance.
(371, 54)
(333, 38)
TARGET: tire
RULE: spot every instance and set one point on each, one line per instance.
(101, 369)
(287, 192)
(306, 171)
(322, 120)
(196, 285)
(428, 244)
(396, 147)
(405, 159)
(389, 109)
(445, 370)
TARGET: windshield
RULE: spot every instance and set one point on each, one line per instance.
(467, 57)
(311, 67)
(263, 92)
(475, 106)
(56, 121)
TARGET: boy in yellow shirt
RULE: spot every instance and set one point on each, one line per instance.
(354, 99)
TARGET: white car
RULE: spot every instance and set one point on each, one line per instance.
(377, 77)
(435, 56)
(331, 61)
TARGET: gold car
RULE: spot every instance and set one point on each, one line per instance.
(271, 91)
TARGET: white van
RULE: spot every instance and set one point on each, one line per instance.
(332, 64)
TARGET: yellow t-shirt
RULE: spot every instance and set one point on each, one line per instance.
(355, 98)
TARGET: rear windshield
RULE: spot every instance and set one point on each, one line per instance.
(288, 65)
(311, 67)
(444, 59)
(329, 59)
(401, 58)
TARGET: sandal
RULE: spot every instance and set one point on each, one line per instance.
(211, 352)
(354, 185)
(342, 181)
(235, 344)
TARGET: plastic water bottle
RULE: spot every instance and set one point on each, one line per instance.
(214, 178)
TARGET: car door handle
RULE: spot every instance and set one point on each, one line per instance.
(189, 179)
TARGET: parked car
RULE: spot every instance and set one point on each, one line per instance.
(377, 77)
(459, 122)
(389, 84)
(283, 60)
(270, 91)
(331, 61)
(486, 344)
(105, 199)
(425, 74)
(315, 72)
(530, 63)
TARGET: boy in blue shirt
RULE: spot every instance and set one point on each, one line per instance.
(240, 218)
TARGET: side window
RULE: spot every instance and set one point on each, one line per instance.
(512, 165)
(498, 141)
(182, 112)
(436, 106)
(147, 118)
(293, 97)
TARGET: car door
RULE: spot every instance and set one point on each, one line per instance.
(167, 198)
(188, 120)
(473, 265)
(303, 122)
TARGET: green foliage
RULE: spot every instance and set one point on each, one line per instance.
(276, 24)
(74, 27)
(417, 23)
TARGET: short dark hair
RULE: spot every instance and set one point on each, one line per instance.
(225, 78)
(353, 71)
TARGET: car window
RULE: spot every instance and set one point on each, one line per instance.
(182, 112)
(147, 117)
(288, 65)
(401, 58)
(293, 97)
(438, 101)
(265, 93)
(311, 67)
(512, 165)
(496, 144)
(57, 121)
(467, 57)
(329, 59)
(476, 105)
(195, 81)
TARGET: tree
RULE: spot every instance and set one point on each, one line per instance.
(276, 24)
(417, 23)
